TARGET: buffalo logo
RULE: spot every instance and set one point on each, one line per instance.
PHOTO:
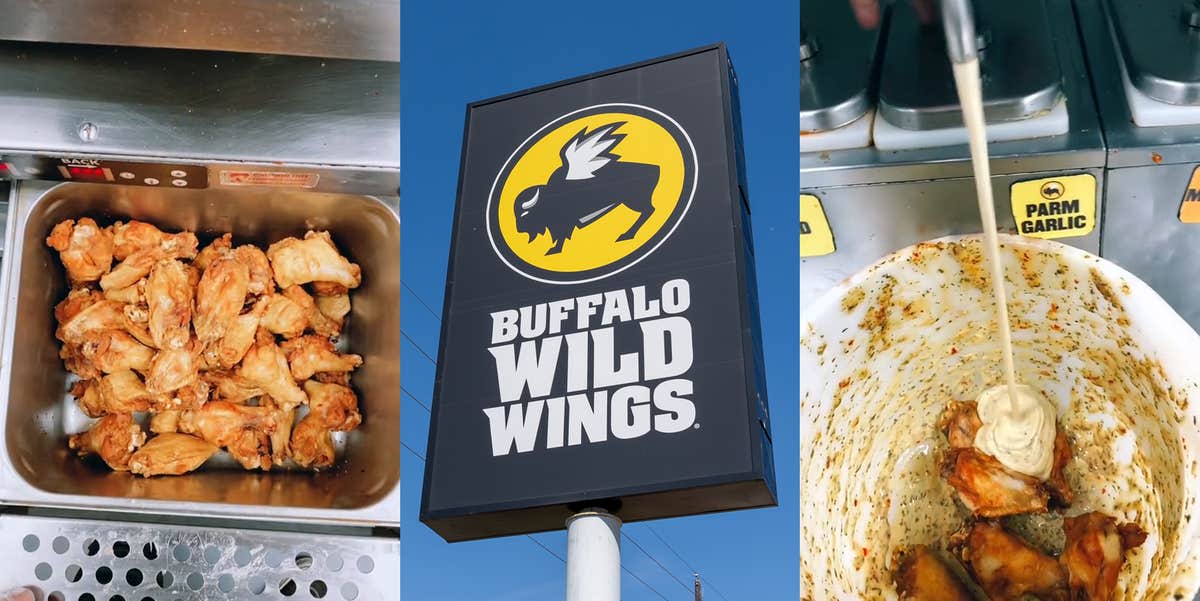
(591, 193)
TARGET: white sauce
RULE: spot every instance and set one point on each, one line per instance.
(1021, 435)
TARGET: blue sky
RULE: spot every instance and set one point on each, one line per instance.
(457, 52)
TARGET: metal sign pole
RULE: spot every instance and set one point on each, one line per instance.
(593, 556)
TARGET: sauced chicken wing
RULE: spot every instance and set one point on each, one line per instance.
(988, 488)
(316, 319)
(1095, 552)
(221, 247)
(171, 370)
(240, 334)
(310, 354)
(171, 454)
(85, 249)
(266, 367)
(169, 298)
(114, 438)
(100, 315)
(1005, 567)
(312, 444)
(313, 259)
(262, 280)
(115, 350)
(922, 576)
(219, 297)
(138, 264)
(335, 406)
(283, 316)
(243, 431)
(231, 387)
(959, 423)
(164, 422)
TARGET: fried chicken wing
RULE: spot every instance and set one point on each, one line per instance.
(316, 319)
(959, 423)
(138, 264)
(1095, 552)
(312, 444)
(171, 370)
(77, 300)
(169, 299)
(262, 280)
(73, 359)
(137, 323)
(190, 396)
(219, 297)
(988, 488)
(1005, 567)
(310, 354)
(85, 249)
(335, 406)
(171, 454)
(243, 431)
(113, 437)
(283, 316)
(115, 350)
(123, 392)
(221, 247)
(100, 315)
(130, 295)
(135, 236)
(240, 335)
(922, 576)
(266, 367)
(231, 387)
(281, 438)
(342, 378)
(164, 422)
(313, 259)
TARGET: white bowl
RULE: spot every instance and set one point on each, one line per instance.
(883, 352)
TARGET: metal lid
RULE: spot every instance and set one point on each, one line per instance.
(1018, 64)
(1160, 43)
(836, 64)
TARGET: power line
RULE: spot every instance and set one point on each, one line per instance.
(545, 548)
(410, 450)
(644, 583)
(413, 397)
(656, 562)
(685, 562)
(418, 347)
(421, 300)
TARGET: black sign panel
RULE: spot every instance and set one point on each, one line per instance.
(600, 345)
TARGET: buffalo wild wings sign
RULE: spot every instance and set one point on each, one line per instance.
(600, 344)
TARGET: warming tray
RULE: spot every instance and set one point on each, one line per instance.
(37, 469)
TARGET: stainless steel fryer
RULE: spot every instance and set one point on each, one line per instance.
(36, 468)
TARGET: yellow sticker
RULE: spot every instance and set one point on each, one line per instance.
(1055, 207)
(816, 238)
(1189, 208)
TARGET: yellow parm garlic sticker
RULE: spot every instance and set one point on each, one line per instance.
(1055, 207)
(816, 238)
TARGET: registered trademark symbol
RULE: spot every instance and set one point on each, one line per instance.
(696, 426)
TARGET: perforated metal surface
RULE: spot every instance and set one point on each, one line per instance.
(86, 560)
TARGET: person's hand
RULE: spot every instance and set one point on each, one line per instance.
(867, 11)
(18, 594)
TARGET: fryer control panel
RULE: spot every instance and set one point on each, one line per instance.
(79, 169)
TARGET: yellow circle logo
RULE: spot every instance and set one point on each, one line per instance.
(591, 193)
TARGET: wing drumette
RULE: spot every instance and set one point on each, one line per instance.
(310, 354)
(284, 317)
(139, 262)
(316, 319)
(219, 297)
(114, 438)
(243, 431)
(335, 406)
(312, 443)
(266, 367)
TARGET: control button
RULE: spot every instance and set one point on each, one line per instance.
(150, 181)
(179, 183)
(126, 175)
(178, 173)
